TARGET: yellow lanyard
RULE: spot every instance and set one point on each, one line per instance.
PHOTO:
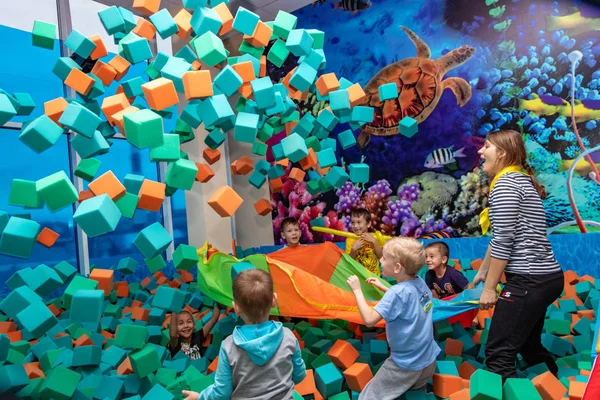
(484, 217)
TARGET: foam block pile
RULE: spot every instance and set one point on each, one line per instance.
(106, 340)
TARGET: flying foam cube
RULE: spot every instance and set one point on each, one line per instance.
(89, 147)
(359, 173)
(164, 23)
(294, 147)
(283, 24)
(80, 119)
(228, 81)
(41, 134)
(98, 215)
(57, 191)
(80, 44)
(210, 48)
(112, 20)
(152, 240)
(408, 127)
(245, 21)
(137, 50)
(43, 34)
(225, 201)
(181, 174)
(144, 128)
(299, 42)
(18, 237)
(246, 127)
(205, 20)
(24, 193)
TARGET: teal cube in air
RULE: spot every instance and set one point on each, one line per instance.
(127, 205)
(486, 385)
(90, 147)
(388, 91)
(152, 240)
(278, 53)
(144, 128)
(87, 168)
(359, 173)
(318, 38)
(133, 183)
(190, 115)
(112, 20)
(155, 264)
(327, 120)
(239, 267)
(262, 166)
(57, 191)
(228, 81)
(13, 378)
(187, 54)
(39, 135)
(299, 42)
(133, 87)
(23, 193)
(210, 49)
(284, 23)
(326, 158)
(257, 179)
(214, 139)
(328, 143)
(137, 50)
(346, 139)
(264, 92)
(316, 59)
(80, 44)
(169, 299)
(26, 103)
(246, 127)
(128, 18)
(165, 24)
(303, 77)
(37, 319)
(408, 127)
(8, 107)
(260, 149)
(185, 257)
(276, 171)
(18, 237)
(277, 151)
(87, 355)
(97, 215)
(181, 174)
(339, 100)
(168, 150)
(215, 110)
(65, 270)
(44, 280)
(337, 177)
(80, 119)
(127, 266)
(204, 20)
(363, 114)
(245, 21)
(174, 70)
(294, 147)
(43, 34)
(328, 380)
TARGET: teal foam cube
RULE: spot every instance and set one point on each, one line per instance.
(18, 300)
(336, 177)
(277, 151)
(128, 18)
(110, 388)
(388, 91)
(23, 193)
(260, 149)
(239, 267)
(257, 179)
(65, 270)
(363, 114)
(215, 110)
(262, 166)
(26, 103)
(37, 319)
(328, 143)
(264, 92)
(408, 127)
(246, 127)
(245, 21)
(13, 378)
(87, 355)
(43, 34)
(181, 174)
(294, 147)
(486, 385)
(158, 393)
(327, 120)
(210, 49)
(326, 158)
(185, 257)
(165, 24)
(283, 24)
(80, 119)
(169, 299)
(18, 237)
(152, 240)
(97, 215)
(276, 171)
(339, 100)
(278, 53)
(44, 280)
(328, 380)
(133, 183)
(133, 87)
(86, 308)
(168, 151)
(204, 20)
(174, 70)
(137, 50)
(80, 44)
(299, 42)
(214, 139)
(187, 54)
(303, 77)
(190, 114)
(19, 278)
(127, 266)
(359, 173)
(346, 139)
(112, 20)
(90, 147)
(228, 81)
(41, 134)
(144, 128)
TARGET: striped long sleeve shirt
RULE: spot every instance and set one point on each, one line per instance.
(519, 227)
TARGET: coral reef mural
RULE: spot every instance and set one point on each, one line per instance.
(506, 64)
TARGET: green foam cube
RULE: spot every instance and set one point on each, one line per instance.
(210, 49)
(144, 361)
(283, 24)
(127, 205)
(278, 53)
(87, 168)
(43, 34)
(144, 128)
(152, 240)
(259, 149)
(18, 237)
(23, 193)
(517, 389)
(41, 134)
(97, 215)
(181, 174)
(60, 383)
(78, 283)
(486, 385)
(318, 38)
(155, 263)
(130, 336)
(168, 151)
(185, 257)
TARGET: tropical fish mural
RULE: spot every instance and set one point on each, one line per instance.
(441, 157)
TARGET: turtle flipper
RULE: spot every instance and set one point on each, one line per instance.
(422, 48)
(461, 89)
(363, 140)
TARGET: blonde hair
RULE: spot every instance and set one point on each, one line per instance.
(408, 252)
(253, 294)
(511, 143)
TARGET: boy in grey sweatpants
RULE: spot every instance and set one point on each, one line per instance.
(260, 360)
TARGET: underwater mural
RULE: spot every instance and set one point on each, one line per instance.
(463, 68)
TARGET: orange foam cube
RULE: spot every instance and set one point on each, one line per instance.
(160, 93)
(475, 264)
(453, 347)
(445, 385)
(327, 83)
(261, 35)
(183, 20)
(242, 166)
(343, 354)
(357, 376)
(55, 108)
(79, 81)
(7, 326)
(125, 367)
(225, 201)
(246, 90)
(245, 70)
(307, 386)
(263, 207)
(211, 156)
(108, 183)
(276, 185)
(310, 160)
(120, 65)
(297, 174)
(145, 29)
(104, 277)
(576, 390)
(263, 66)
(357, 95)
(461, 395)
(226, 18)
(197, 84)
(147, 7)
(113, 104)
(47, 237)
(105, 72)
(466, 369)
(549, 387)
(139, 314)
(84, 195)
(151, 195)
(213, 366)
(33, 370)
(289, 126)
(118, 117)
(100, 50)
(205, 172)
(284, 162)
(196, 65)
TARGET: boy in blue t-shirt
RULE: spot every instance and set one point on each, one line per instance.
(443, 281)
(407, 310)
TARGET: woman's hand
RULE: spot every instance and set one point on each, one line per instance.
(488, 299)
(190, 395)
(375, 282)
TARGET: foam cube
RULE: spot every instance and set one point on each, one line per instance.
(152, 195)
(259, 149)
(174, 70)
(359, 173)
(486, 385)
(205, 20)
(89, 147)
(303, 77)
(278, 53)
(65, 270)
(299, 42)
(205, 172)
(284, 23)
(43, 34)
(263, 207)
(257, 179)
(133, 183)
(408, 127)
(165, 24)
(23, 193)
(210, 49)
(137, 50)
(214, 139)
(87, 168)
(169, 299)
(181, 174)
(168, 151)
(197, 84)
(127, 266)
(80, 119)
(44, 280)
(160, 94)
(264, 92)
(185, 257)
(26, 103)
(145, 362)
(294, 147)
(37, 319)
(41, 134)
(515, 389)
(18, 237)
(215, 110)
(225, 201)
(86, 308)
(112, 20)
(245, 21)
(98, 215)
(228, 81)
(346, 139)
(152, 240)
(328, 380)
(336, 177)
(246, 127)
(326, 158)
(87, 355)
(388, 91)
(80, 44)
(144, 128)
(327, 120)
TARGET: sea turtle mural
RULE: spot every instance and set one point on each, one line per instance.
(420, 85)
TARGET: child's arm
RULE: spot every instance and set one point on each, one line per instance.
(223, 386)
(368, 237)
(299, 368)
(212, 321)
(368, 314)
(375, 282)
(174, 338)
(355, 246)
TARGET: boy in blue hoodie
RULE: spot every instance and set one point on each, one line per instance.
(262, 359)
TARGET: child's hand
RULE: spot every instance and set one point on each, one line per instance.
(358, 244)
(190, 395)
(367, 237)
(354, 283)
(375, 282)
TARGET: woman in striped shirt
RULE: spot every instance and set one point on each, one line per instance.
(519, 248)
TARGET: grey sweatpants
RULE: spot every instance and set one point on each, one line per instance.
(391, 381)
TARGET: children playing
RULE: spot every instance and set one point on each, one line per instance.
(406, 308)
(184, 335)
(443, 281)
(365, 250)
(262, 359)
(290, 231)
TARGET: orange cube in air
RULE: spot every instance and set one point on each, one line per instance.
(242, 165)
(118, 117)
(100, 50)
(105, 72)
(47, 237)
(327, 83)
(225, 16)
(145, 29)
(357, 95)
(183, 20)
(205, 172)
(297, 174)
(197, 84)
(55, 108)
(79, 81)
(160, 93)
(151, 195)
(104, 277)
(276, 185)
(263, 66)
(196, 65)
(120, 65)
(225, 201)
(108, 183)
(263, 207)
(211, 156)
(147, 7)
(113, 104)
(84, 195)
(261, 36)
(245, 70)
(246, 90)
(310, 160)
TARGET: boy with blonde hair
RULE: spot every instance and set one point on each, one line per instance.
(406, 308)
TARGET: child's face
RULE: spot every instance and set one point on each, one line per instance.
(389, 267)
(185, 325)
(291, 234)
(434, 258)
(359, 225)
